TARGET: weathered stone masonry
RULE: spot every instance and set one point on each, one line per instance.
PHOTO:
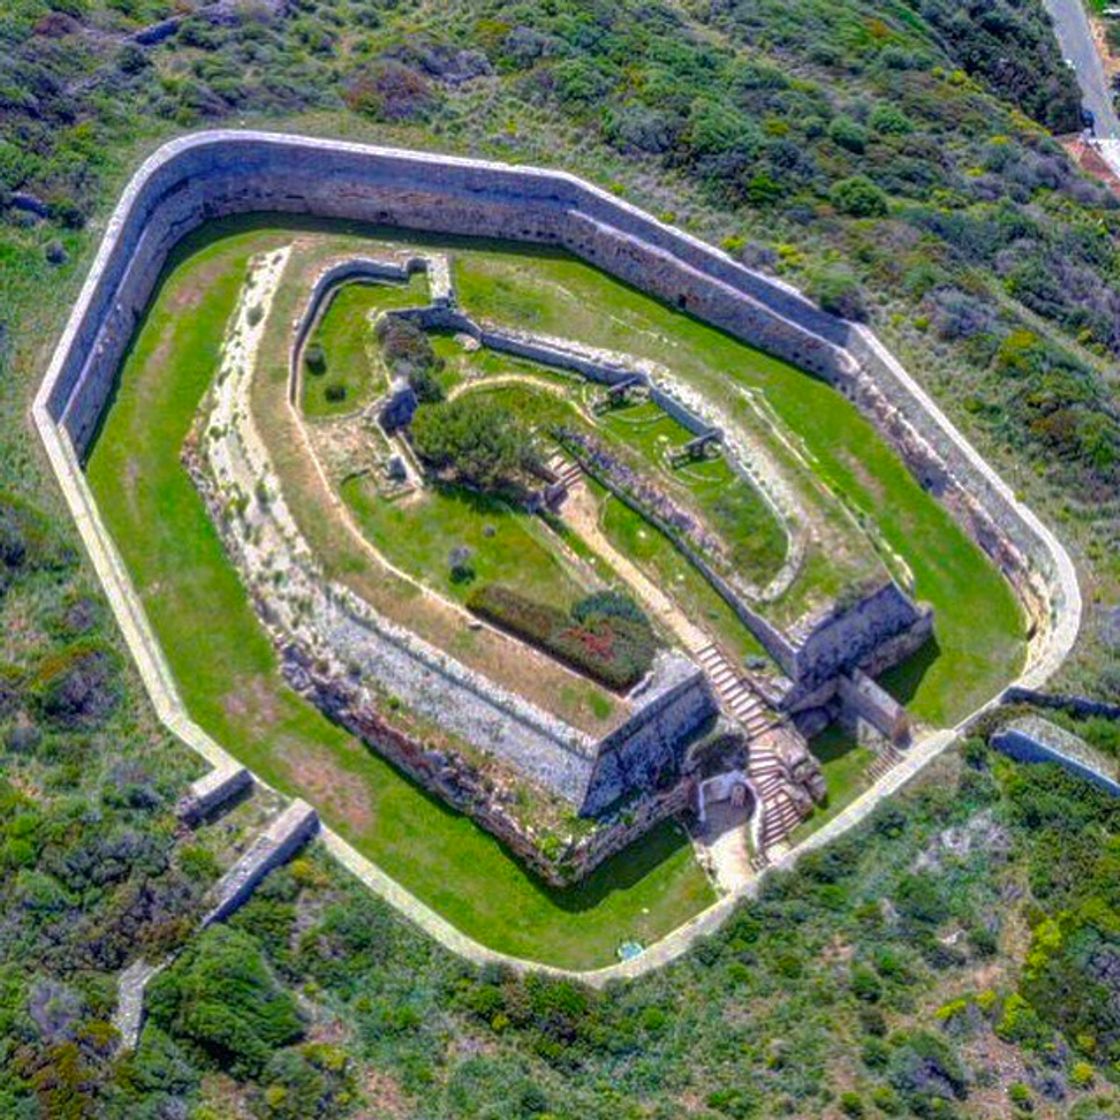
(213, 174)
(146, 224)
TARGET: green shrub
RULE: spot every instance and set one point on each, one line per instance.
(481, 442)
(848, 134)
(407, 352)
(859, 197)
(613, 649)
(221, 996)
(315, 358)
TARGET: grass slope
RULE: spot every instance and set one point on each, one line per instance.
(506, 545)
(979, 628)
(227, 674)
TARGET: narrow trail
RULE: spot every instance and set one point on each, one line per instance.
(581, 512)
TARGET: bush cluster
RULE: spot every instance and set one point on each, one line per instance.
(479, 442)
(408, 353)
(609, 641)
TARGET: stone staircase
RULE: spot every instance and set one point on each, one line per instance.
(885, 760)
(733, 691)
(567, 471)
(778, 812)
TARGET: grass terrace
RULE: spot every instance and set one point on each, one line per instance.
(979, 628)
(350, 377)
(228, 676)
(419, 532)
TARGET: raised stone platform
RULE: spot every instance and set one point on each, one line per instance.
(1034, 739)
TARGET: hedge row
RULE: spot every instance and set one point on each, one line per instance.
(613, 649)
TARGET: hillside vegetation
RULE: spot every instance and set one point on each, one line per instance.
(894, 158)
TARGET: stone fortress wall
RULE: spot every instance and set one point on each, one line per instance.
(213, 174)
(333, 625)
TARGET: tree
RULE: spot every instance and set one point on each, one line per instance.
(481, 442)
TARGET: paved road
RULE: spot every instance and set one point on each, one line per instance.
(1076, 40)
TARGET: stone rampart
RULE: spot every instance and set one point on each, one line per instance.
(648, 751)
(560, 861)
(220, 173)
(845, 635)
(1033, 739)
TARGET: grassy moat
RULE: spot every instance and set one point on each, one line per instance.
(226, 668)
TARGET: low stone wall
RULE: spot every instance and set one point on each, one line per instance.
(212, 790)
(274, 847)
(325, 288)
(1038, 740)
(1082, 706)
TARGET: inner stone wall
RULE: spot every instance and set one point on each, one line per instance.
(214, 174)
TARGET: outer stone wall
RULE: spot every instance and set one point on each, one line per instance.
(213, 174)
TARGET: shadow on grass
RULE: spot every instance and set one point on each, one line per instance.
(903, 681)
(618, 873)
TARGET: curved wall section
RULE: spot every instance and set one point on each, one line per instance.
(214, 174)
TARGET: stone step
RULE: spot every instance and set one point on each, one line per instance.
(765, 770)
(746, 706)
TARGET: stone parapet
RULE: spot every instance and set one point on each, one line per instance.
(274, 847)
(1034, 739)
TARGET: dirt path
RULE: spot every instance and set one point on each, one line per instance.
(581, 512)
(724, 840)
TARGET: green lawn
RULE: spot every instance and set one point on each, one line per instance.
(979, 625)
(507, 546)
(346, 336)
(227, 672)
(660, 561)
(844, 765)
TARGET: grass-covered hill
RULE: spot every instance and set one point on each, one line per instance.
(892, 157)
